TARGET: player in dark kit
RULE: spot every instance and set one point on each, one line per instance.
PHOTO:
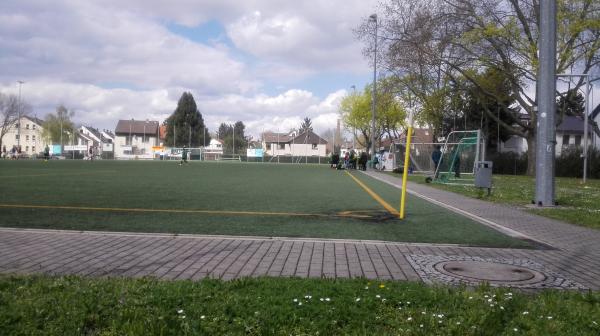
(184, 154)
(46, 153)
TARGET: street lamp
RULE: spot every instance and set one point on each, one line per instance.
(373, 18)
(19, 115)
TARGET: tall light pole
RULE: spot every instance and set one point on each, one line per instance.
(373, 18)
(19, 115)
(353, 87)
(546, 88)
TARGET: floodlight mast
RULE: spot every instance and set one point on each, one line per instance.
(19, 116)
(546, 88)
(373, 18)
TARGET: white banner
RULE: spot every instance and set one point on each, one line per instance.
(76, 148)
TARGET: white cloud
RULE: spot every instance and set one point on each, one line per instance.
(113, 59)
(102, 107)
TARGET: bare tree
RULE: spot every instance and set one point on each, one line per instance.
(9, 113)
(434, 44)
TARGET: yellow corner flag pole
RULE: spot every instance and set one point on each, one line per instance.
(406, 165)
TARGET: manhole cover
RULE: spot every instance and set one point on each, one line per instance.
(489, 271)
(498, 272)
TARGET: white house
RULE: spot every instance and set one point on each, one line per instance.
(294, 144)
(29, 137)
(214, 150)
(569, 134)
(102, 141)
(134, 139)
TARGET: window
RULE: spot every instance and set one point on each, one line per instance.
(17, 125)
(26, 126)
(27, 148)
(33, 149)
(565, 140)
(314, 146)
(282, 146)
(268, 146)
(578, 140)
(128, 140)
(33, 137)
(33, 126)
(16, 137)
(27, 138)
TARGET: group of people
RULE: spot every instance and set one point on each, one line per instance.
(14, 153)
(350, 160)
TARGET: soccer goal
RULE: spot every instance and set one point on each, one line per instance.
(460, 152)
(193, 154)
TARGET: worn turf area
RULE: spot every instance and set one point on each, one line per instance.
(222, 198)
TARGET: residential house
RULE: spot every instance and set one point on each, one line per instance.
(569, 134)
(294, 144)
(214, 150)
(134, 139)
(101, 141)
(29, 137)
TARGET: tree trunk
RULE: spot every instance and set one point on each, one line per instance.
(531, 143)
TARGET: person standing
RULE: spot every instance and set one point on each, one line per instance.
(4, 152)
(46, 153)
(184, 154)
(435, 157)
(456, 163)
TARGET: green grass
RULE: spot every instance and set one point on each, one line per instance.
(578, 203)
(222, 187)
(41, 305)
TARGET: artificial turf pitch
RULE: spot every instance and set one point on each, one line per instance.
(224, 198)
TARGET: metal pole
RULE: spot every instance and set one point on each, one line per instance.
(374, 93)
(233, 141)
(19, 115)
(545, 137)
(585, 128)
(190, 138)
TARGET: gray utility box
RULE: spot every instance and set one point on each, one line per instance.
(483, 174)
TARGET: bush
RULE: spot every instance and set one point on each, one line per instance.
(570, 163)
(509, 163)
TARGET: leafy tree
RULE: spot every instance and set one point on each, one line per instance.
(356, 113)
(185, 127)
(58, 127)
(306, 125)
(571, 103)
(226, 134)
(434, 43)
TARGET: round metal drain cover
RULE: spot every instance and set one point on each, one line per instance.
(492, 272)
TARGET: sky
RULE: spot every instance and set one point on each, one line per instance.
(268, 63)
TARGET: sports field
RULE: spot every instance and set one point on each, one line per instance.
(226, 198)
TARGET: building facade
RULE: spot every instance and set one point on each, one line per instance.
(134, 139)
(29, 137)
(294, 144)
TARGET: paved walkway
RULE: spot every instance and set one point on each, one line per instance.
(574, 261)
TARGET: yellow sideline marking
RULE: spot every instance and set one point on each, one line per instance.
(212, 212)
(69, 174)
(374, 195)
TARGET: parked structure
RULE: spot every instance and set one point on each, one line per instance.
(134, 139)
(294, 144)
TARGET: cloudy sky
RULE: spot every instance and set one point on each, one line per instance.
(269, 63)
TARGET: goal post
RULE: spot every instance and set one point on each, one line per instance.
(460, 151)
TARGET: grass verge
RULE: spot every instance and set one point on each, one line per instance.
(578, 203)
(74, 306)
